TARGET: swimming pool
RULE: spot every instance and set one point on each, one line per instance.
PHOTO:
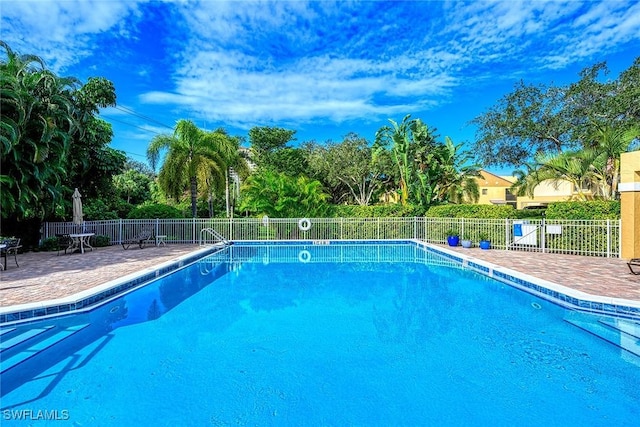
(325, 334)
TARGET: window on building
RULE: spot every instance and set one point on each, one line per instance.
(484, 191)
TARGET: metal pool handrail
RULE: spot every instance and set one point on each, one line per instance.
(213, 233)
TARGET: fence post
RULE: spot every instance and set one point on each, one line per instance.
(619, 238)
(543, 235)
(506, 234)
(608, 238)
(119, 230)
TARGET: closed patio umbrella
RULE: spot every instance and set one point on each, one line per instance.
(77, 207)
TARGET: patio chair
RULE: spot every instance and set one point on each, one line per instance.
(142, 239)
(634, 262)
(65, 242)
(11, 246)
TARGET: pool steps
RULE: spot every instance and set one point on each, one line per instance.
(6, 331)
(614, 332)
(628, 327)
(23, 337)
(27, 339)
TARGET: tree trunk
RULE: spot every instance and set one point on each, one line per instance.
(194, 197)
(226, 190)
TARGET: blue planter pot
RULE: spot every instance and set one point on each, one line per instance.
(453, 240)
(467, 243)
(485, 244)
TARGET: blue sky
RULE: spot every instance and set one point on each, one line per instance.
(321, 68)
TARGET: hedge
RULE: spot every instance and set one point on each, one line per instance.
(472, 211)
(377, 211)
(593, 209)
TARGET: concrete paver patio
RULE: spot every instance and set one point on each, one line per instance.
(44, 275)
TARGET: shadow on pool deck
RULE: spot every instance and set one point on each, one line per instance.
(44, 275)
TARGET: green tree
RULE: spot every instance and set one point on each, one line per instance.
(593, 171)
(350, 168)
(50, 137)
(134, 186)
(549, 119)
(397, 139)
(281, 196)
(269, 151)
(576, 167)
(92, 163)
(456, 180)
(526, 121)
(192, 155)
(37, 123)
(608, 143)
(429, 171)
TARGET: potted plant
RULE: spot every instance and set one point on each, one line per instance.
(485, 243)
(466, 241)
(453, 237)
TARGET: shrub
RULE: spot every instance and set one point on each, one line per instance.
(49, 244)
(471, 211)
(153, 211)
(593, 209)
(377, 211)
(96, 209)
(101, 241)
(452, 232)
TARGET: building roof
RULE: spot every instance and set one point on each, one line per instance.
(489, 179)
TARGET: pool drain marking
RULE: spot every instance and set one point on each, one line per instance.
(536, 305)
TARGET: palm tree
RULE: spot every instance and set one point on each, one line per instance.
(526, 180)
(456, 182)
(192, 155)
(580, 168)
(36, 128)
(593, 171)
(399, 138)
(610, 141)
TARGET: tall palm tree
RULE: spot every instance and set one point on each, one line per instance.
(399, 138)
(192, 155)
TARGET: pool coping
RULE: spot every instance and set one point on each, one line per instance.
(91, 298)
(550, 291)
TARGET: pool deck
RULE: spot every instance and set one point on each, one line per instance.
(45, 276)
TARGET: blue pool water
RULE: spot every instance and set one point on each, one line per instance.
(324, 335)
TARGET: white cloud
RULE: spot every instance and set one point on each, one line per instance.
(299, 62)
(61, 32)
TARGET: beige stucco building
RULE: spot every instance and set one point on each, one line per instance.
(629, 189)
(496, 190)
